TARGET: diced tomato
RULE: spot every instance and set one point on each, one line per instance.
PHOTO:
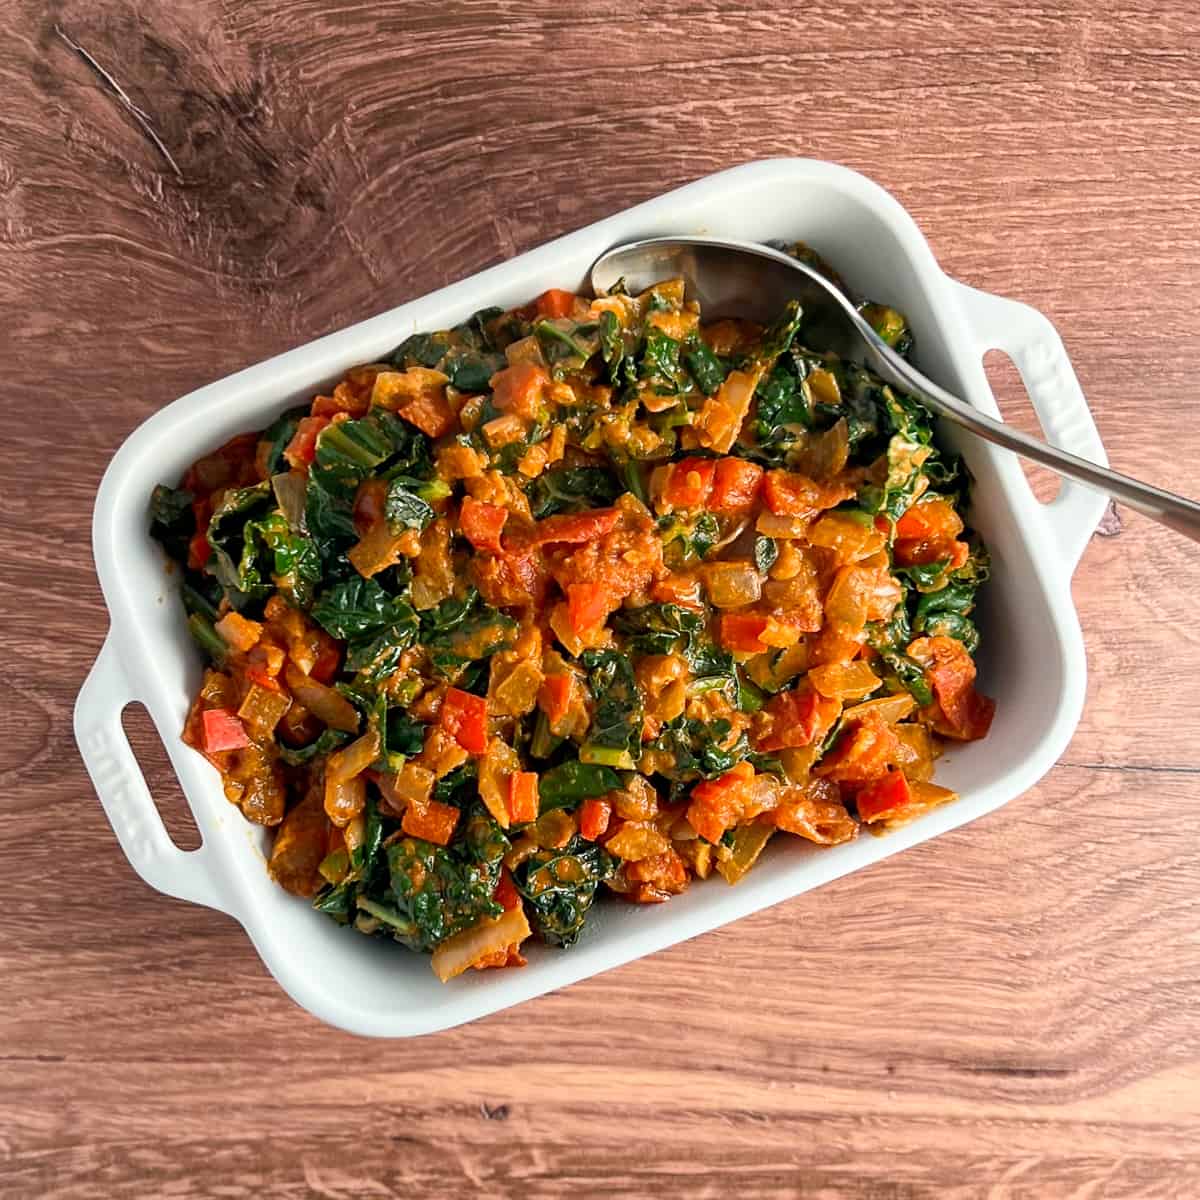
(430, 820)
(555, 303)
(588, 604)
(959, 553)
(302, 449)
(594, 816)
(736, 485)
(554, 697)
(506, 894)
(862, 754)
(482, 523)
(198, 550)
(796, 718)
(522, 797)
(464, 717)
(929, 520)
(328, 662)
(950, 671)
(520, 388)
(430, 412)
(222, 730)
(717, 804)
(742, 632)
(883, 795)
(576, 528)
(690, 482)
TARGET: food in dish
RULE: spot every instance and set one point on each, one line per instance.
(584, 594)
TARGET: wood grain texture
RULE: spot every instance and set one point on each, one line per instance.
(1010, 1011)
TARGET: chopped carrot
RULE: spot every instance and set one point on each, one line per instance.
(555, 303)
(594, 816)
(522, 797)
(430, 820)
(554, 697)
(717, 804)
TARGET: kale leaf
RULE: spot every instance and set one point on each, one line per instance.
(560, 885)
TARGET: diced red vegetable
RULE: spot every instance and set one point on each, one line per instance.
(736, 484)
(302, 449)
(482, 523)
(506, 894)
(576, 528)
(554, 697)
(788, 493)
(716, 804)
(328, 661)
(882, 796)
(594, 816)
(464, 717)
(222, 730)
(796, 718)
(430, 412)
(690, 482)
(522, 797)
(555, 303)
(929, 520)
(863, 753)
(742, 632)
(198, 550)
(519, 388)
(430, 820)
(588, 604)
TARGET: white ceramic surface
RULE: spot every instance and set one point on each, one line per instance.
(1032, 659)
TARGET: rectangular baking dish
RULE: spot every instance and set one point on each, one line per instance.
(1032, 659)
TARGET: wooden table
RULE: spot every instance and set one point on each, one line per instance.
(1012, 1010)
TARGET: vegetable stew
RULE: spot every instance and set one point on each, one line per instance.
(584, 593)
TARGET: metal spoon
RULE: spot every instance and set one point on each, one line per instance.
(744, 279)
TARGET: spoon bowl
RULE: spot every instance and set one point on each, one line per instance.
(744, 279)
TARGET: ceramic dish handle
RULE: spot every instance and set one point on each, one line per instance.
(122, 789)
(1033, 344)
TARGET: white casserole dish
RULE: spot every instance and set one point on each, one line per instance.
(1032, 659)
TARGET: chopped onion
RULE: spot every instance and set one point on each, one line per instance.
(486, 937)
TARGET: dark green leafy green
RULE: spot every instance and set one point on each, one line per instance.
(172, 522)
(705, 367)
(565, 785)
(572, 489)
(328, 741)
(618, 715)
(560, 885)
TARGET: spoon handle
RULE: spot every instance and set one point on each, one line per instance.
(1175, 512)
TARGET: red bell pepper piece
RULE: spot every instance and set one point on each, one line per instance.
(882, 796)
(222, 730)
(554, 697)
(576, 528)
(482, 523)
(555, 303)
(464, 717)
(594, 816)
(741, 632)
(302, 449)
(506, 894)
(522, 797)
